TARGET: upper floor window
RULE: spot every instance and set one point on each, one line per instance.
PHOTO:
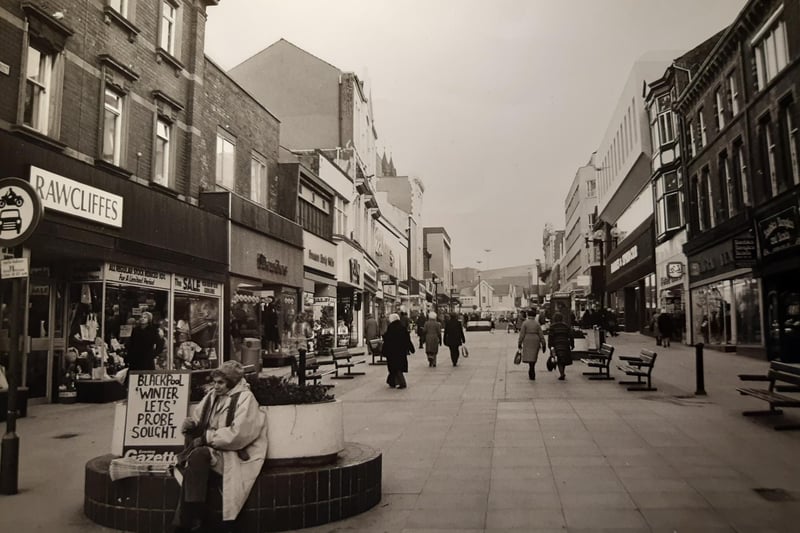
(41, 87)
(669, 203)
(169, 22)
(226, 158)
(702, 124)
(704, 201)
(691, 141)
(121, 6)
(591, 188)
(719, 107)
(733, 94)
(770, 49)
(724, 187)
(666, 133)
(739, 173)
(162, 167)
(258, 179)
(340, 222)
(789, 142)
(766, 149)
(112, 126)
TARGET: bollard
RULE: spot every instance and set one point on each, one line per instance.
(701, 389)
(301, 371)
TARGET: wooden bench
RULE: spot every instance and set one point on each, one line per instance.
(640, 366)
(342, 360)
(778, 373)
(601, 360)
(765, 377)
(375, 350)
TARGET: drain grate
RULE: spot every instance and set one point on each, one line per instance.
(66, 435)
(775, 495)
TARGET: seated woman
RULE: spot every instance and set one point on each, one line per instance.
(226, 434)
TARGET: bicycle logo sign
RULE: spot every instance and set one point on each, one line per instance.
(20, 211)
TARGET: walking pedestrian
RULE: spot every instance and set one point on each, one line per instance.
(561, 343)
(665, 327)
(421, 319)
(654, 325)
(433, 338)
(531, 340)
(396, 347)
(371, 328)
(454, 337)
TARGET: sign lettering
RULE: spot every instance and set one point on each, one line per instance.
(157, 404)
(75, 198)
(197, 286)
(624, 259)
(275, 267)
(136, 276)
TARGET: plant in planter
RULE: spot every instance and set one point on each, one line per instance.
(275, 390)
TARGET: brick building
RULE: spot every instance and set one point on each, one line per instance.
(739, 115)
(116, 101)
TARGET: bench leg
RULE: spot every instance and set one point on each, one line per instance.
(344, 376)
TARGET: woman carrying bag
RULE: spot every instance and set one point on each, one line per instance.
(531, 340)
(433, 338)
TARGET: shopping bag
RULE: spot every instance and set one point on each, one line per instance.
(518, 357)
(464, 351)
(551, 362)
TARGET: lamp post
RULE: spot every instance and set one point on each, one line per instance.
(480, 300)
(434, 278)
(538, 277)
(597, 239)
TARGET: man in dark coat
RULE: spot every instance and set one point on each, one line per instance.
(665, 328)
(561, 342)
(454, 337)
(421, 319)
(371, 328)
(396, 347)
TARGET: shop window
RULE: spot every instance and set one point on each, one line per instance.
(196, 333)
(85, 314)
(125, 307)
(748, 311)
(770, 49)
(113, 107)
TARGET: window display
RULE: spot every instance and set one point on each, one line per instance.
(196, 335)
(748, 310)
(727, 312)
(134, 316)
(244, 321)
(85, 311)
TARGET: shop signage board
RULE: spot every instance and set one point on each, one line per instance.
(744, 251)
(20, 211)
(629, 255)
(116, 273)
(779, 231)
(197, 286)
(319, 253)
(77, 199)
(158, 403)
(355, 271)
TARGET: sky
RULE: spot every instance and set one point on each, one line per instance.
(494, 104)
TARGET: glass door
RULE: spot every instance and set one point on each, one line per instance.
(36, 360)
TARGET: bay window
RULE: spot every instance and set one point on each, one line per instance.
(669, 203)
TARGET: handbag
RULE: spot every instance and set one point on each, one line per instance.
(518, 357)
(551, 362)
(464, 351)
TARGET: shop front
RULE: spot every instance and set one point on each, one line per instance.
(266, 276)
(726, 296)
(631, 280)
(320, 265)
(351, 294)
(369, 271)
(100, 264)
(672, 281)
(779, 237)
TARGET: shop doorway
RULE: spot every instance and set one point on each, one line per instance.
(783, 319)
(44, 338)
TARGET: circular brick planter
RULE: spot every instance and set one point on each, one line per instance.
(283, 498)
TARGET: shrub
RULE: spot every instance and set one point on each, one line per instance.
(275, 390)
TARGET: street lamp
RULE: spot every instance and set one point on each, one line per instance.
(597, 239)
(538, 277)
(435, 280)
(480, 301)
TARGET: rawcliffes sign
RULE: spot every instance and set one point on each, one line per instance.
(75, 198)
(158, 402)
(779, 231)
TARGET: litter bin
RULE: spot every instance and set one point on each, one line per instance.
(251, 352)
